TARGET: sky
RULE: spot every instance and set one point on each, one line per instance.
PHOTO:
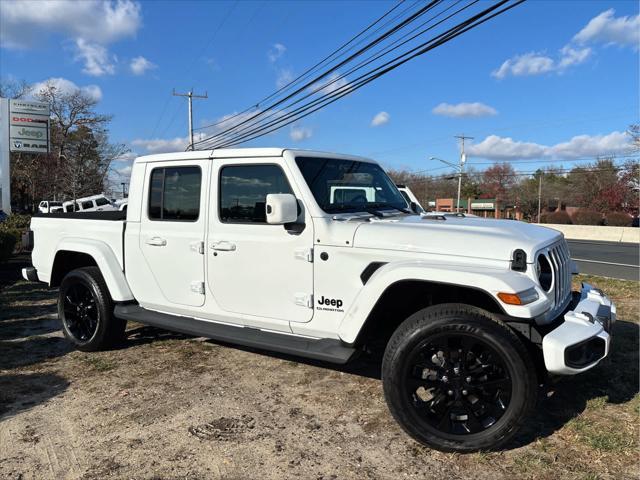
(548, 83)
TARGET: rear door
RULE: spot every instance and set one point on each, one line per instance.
(173, 227)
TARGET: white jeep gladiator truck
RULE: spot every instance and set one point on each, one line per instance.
(250, 246)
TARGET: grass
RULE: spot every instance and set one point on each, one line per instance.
(624, 293)
(598, 435)
(99, 363)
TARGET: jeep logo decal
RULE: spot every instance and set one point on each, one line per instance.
(330, 304)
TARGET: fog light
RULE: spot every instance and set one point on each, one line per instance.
(521, 298)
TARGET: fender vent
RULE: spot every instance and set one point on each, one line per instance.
(370, 270)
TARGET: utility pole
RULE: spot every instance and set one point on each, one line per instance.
(539, 195)
(190, 96)
(463, 159)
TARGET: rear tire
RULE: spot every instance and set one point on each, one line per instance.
(458, 380)
(85, 308)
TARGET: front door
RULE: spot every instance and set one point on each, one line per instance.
(172, 230)
(255, 268)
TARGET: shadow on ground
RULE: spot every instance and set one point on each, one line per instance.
(19, 392)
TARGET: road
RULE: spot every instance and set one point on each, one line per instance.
(609, 259)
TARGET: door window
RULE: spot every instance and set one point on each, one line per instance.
(244, 190)
(175, 194)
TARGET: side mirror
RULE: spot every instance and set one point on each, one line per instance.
(414, 207)
(281, 208)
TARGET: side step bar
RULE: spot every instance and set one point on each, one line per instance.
(325, 349)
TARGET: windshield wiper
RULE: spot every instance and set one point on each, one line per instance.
(388, 205)
(374, 212)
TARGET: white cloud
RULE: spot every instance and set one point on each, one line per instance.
(160, 145)
(285, 76)
(67, 87)
(96, 58)
(505, 148)
(276, 52)
(140, 65)
(570, 56)
(606, 28)
(299, 133)
(464, 110)
(25, 23)
(124, 171)
(330, 84)
(533, 63)
(380, 119)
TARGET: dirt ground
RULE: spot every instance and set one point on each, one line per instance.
(170, 406)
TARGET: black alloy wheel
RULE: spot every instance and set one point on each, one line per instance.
(457, 384)
(85, 308)
(81, 315)
(458, 379)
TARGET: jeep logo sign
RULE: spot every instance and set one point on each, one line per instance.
(330, 304)
(26, 132)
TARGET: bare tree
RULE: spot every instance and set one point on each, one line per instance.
(10, 88)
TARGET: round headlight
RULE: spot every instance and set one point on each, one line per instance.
(545, 273)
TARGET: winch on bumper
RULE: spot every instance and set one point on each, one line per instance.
(583, 337)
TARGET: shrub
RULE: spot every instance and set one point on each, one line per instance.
(19, 222)
(544, 217)
(619, 219)
(559, 217)
(587, 217)
(7, 244)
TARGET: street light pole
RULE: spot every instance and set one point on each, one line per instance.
(463, 159)
(539, 195)
(458, 167)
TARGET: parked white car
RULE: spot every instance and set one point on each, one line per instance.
(412, 200)
(47, 206)
(246, 246)
(94, 203)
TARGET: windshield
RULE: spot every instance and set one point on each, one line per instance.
(349, 185)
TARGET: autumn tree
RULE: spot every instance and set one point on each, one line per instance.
(498, 180)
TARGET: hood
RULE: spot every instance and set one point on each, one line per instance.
(469, 237)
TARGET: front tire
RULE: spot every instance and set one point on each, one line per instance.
(458, 380)
(85, 308)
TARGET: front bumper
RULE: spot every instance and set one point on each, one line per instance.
(583, 337)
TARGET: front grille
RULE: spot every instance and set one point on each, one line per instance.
(560, 261)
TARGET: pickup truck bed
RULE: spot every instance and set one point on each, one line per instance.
(107, 227)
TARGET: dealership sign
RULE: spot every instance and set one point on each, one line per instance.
(29, 126)
(482, 205)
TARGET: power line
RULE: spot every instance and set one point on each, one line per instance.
(340, 78)
(370, 45)
(190, 68)
(366, 78)
(306, 72)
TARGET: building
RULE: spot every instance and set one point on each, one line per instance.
(482, 207)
